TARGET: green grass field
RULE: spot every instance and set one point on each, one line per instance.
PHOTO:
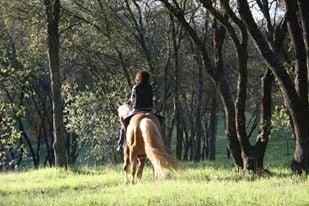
(206, 183)
(202, 184)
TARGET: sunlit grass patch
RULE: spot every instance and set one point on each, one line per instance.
(199, 184)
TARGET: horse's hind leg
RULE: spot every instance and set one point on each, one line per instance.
(134, 164)
(126, 163)
(141, 164)
(133, 160)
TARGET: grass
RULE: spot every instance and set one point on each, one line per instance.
(200, 184)
(206, 183)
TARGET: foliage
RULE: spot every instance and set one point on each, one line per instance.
(103, 43)
(13, 80)
(92, 116)
(281, 120)
(9, 135)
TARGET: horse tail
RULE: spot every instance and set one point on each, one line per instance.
(155, 149)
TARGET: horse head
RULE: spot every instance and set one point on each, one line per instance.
(124, 110)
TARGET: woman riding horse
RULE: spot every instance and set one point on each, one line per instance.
(143, 138)
(141, 100)
(143, 134)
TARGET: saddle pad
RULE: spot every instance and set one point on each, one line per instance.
(128, 118)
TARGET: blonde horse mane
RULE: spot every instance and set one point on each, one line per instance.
(124, 110)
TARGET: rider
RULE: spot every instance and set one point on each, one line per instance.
(141, 100)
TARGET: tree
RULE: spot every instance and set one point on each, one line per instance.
(294, 101)
(52, 17)
(217, 75)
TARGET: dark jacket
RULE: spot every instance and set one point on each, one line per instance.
(141, 97)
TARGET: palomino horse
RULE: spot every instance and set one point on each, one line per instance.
(143, 138)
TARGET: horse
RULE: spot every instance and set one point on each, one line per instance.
(143, 139)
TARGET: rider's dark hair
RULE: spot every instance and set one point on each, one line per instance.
(142, 77)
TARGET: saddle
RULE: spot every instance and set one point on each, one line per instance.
(126, 121)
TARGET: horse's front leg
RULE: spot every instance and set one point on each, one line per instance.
(126, 163)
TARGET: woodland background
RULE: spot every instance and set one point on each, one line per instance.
(229, 77)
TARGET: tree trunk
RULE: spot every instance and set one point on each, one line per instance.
(179, 137)
(265, 120)
(187, 147)
(191, 148)
(38, 147)
(198, 116)
(73, 154)
(24, 134)
(177, 106)
(21, 152)
(169, 132)
(301, 73)
(226, 98)
(52, 16)
(303, 8)
(247, 151)
(49, 150)
(233, 143)
(212, 128)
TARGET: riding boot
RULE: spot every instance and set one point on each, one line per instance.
(122, 137)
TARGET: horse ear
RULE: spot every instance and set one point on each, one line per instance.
(119, 105)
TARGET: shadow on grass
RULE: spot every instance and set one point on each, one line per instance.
(204, 171)
(225, 171)
(86, 171)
